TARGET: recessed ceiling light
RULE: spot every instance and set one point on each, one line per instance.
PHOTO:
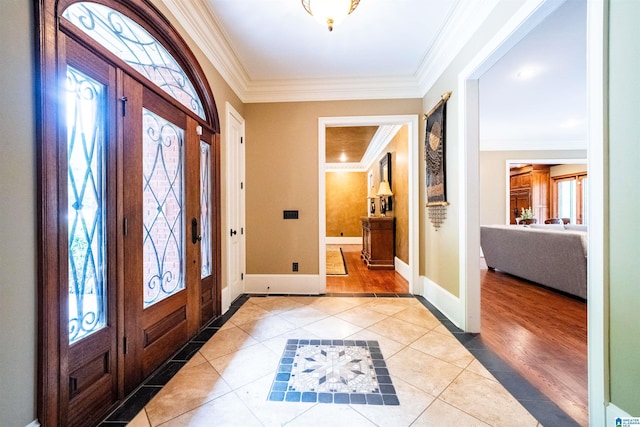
(572, 123)
(527, 72)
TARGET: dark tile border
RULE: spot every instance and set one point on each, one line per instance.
(543, 410)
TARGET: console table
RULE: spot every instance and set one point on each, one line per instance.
(378, 244)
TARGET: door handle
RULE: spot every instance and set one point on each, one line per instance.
(233, 232)
(195, 237)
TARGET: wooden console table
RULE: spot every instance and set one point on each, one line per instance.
(378, 243)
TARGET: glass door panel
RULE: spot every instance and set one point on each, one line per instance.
(163, 207)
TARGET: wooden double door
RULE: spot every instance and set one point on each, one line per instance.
(140, 279)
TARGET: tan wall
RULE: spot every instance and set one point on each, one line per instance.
(399, 149)
(346, 202)
(493, 181)
(439, 250)
(18, 322)
(282, 173)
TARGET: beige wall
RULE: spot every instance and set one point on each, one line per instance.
(17, 216)
(493, 181)
(346, 202)
(399, 149)
(282, 173)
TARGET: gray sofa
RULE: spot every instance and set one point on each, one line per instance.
(546, 254)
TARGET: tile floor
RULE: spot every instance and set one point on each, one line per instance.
(225, 376)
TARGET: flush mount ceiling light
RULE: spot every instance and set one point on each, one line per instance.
(330, 12)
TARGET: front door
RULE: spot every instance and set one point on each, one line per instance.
(161, 211)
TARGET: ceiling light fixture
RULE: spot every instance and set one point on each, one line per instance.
(330, 12)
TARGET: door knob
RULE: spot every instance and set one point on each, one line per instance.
(233, 232)
(195, 237)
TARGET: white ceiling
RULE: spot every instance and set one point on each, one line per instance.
(274, 51)
(548, 108)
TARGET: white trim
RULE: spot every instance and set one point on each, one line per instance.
(412, 123)
(301, 284)
(239, 166)
(225, 299)
(526, 145)
(463, 21)
(343, 240)
(614, 412)
(529, 15)
(448, 304)
(33, 423)
(597, 317)
(403, 269)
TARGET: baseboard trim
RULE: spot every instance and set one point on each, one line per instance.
(448, 304)
(403, 269)
(33, 423)
(304, 284)
(343, 240)
(613, 412)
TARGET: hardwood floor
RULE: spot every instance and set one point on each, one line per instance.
(541, 334)
(362, 280)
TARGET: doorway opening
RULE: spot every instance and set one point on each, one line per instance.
(373, 161)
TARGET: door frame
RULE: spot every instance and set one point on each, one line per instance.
(231, 167)
(51, 237)
(601, 410)
(412, 123)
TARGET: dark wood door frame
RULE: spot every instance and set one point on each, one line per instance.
(52, 243)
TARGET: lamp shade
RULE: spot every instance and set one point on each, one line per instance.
(330, 12)
(384, 189)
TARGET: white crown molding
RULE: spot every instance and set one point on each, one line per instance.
(200, 23)
(331, 89)
(463, 21)
(381, 139)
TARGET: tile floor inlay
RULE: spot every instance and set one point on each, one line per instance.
(333, 371)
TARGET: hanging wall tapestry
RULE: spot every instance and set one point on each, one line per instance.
(435, 157)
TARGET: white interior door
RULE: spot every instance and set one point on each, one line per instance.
(235, 207)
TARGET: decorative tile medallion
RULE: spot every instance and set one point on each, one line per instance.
(333, 371)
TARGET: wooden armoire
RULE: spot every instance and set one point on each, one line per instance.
(529, 188)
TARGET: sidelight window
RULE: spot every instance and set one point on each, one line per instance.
(85, 103)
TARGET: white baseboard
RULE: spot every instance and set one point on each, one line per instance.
(448, 304)
(613, 412)
(343, 240)
(225, 302)
(303, 284)
(33, 423)
(403, 269)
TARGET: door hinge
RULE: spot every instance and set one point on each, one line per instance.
(242, 185)
(125, 227)
(124, 100)
(241, 231)
(241, 140)
(241, 276)
(125, 346)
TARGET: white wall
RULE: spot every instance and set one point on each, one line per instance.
(17, 216)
